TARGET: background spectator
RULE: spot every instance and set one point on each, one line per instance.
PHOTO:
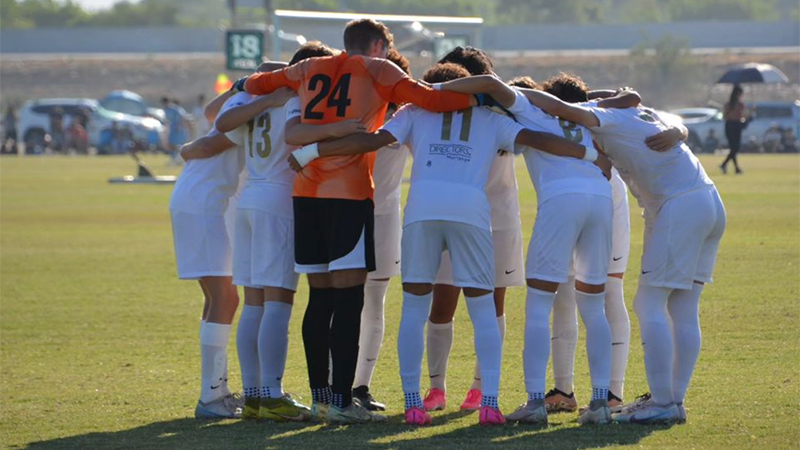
(10, 127)
(734, 115)
(201, 125)
(711, 144)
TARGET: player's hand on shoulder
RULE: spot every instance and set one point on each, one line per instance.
(664, 141)
(348, 127)
(604, 164)
(283, 95)
(293, 164)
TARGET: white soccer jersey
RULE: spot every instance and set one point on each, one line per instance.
(556, 175)
(206, 185)
(269, 183)
(503, 193)
(387, 174)
(453, 153)
(653, 177)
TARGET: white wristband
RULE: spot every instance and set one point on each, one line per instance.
(591, 154)
(306, 154)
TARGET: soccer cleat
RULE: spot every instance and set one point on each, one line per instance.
(366, 399)
(251, 407)
(681, 413)
(598, 412)
(473, 400)
(283, 409)
(222, 408)
(724, 169)
(649, 413)
(491, 416)
(636, 404)
(435, 400)
(559, 401)
(354, 413)
(417, 416)
(533, 412)
(319, 411)
(613, 402)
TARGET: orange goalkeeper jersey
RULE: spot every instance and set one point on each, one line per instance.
(342, 87)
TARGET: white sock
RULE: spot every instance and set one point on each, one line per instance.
(372, 325)
(411, 339)
(683, 306)
(247, 349)
(439, 343)
(650, 305)
(620, 323)
(538, 305)
(598, 340)
(476, 377)
(488, 343)
(273, 345)
(564, 339)
(213, 357)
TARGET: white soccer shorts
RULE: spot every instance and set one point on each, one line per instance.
(470, 248)
(681, 242)
(202, 245)
(508, 260)
(263, 250)
(620, 228)
(388, 230)
(568, 224)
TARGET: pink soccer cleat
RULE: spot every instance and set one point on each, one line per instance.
(417, 416)
(473, 400)
(491, 416)
(435, 400)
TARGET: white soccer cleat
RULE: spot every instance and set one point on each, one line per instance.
(598, 412)
(533, 412)
(637, 403)
(222, 408)
(650, 413)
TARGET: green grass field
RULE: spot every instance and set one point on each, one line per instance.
(100, 349)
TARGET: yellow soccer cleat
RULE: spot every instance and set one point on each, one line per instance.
(251, 408)
(319, 411)
(283, 409)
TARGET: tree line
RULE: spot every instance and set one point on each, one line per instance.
(211, 13)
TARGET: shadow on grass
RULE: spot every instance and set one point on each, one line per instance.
(241, 435)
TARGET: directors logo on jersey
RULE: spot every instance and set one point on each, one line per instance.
(455, 152)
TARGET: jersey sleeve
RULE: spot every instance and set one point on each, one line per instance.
(395, 86)
(506, 132)
(237, 135)
(267, 82)
(400, 125)
(521, 104)
(293, 108)
(609, 118)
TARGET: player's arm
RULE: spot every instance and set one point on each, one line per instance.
(206, 147)
(354, 144)
(304, 133)
(621, 100)
(669, 138)
(482, 84)
(211, 110)
(556, 107)
(239, 115)
(556, 145)
(267, 82)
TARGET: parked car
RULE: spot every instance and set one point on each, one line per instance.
(131, 103)
(764, 116)
(34, 122)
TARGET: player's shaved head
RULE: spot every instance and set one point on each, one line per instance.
(445, 72)
(399, 60)
(475, 60)
(524, 82)
(361, 34)
(311, 49)
(568, 87)
(269, 66)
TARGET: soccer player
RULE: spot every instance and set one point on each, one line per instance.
(202, 209)
(264, 248)
(447, 210)
(333, 206)
(502, 192)
(574, 217)
(684, 223)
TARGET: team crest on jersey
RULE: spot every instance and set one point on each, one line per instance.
(647, 116)
(454, 152)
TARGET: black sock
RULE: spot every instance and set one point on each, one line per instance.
(316, 332)
(345, 332)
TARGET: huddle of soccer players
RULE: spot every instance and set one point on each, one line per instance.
(322, 116)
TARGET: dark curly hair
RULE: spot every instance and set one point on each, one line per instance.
(568, 87)
(445, 72)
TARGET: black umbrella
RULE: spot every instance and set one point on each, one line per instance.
(754, 73)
